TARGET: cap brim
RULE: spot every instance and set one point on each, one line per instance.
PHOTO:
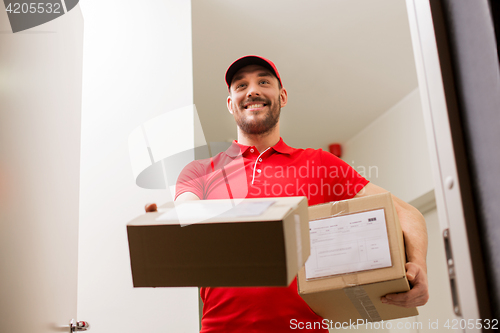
(246, 61)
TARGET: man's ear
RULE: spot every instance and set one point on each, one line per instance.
(229, 104)
(283, 97)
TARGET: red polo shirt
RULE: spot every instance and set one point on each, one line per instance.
(243, 172)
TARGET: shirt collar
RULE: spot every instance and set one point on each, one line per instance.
(238, 149)
(283, 148)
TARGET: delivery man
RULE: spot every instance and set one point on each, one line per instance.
(272, 168)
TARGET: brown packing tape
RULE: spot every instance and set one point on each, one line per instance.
(350, 280)
(339, 208)
(319, 211)
(328, 210)
(363, 304)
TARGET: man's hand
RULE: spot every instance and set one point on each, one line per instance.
(419, 293)
(186, 196)
(150, 207)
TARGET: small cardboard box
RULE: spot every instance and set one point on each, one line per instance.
(235, 247)
(354, 296)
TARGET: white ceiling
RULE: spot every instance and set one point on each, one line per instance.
(343, 62)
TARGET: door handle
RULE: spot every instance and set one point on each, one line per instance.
(78, 326)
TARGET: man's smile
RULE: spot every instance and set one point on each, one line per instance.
(255, 106)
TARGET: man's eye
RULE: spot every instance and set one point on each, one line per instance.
(241, 85)
(264, 82)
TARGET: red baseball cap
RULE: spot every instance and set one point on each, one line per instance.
(250, 60)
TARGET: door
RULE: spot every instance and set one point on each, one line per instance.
(40, 103)
(457, 65)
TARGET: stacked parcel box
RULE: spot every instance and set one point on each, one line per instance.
(356, 246)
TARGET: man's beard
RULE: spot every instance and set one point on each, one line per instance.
(263, 127)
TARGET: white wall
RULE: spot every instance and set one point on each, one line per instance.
(392, 151)
(40, 102)
(137, 65)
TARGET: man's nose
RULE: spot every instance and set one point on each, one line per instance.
(253, 90)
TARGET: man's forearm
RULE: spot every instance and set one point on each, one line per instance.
(414, 231)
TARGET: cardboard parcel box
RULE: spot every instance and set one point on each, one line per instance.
(357, 256)
(245, 242)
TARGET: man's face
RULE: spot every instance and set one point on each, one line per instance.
(256, 99)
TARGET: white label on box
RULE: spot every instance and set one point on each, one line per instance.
(347, 244)
(204, 210)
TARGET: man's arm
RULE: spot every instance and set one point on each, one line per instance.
(415, 235)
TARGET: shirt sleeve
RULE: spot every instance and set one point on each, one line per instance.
(343, 180)
(191, 179)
